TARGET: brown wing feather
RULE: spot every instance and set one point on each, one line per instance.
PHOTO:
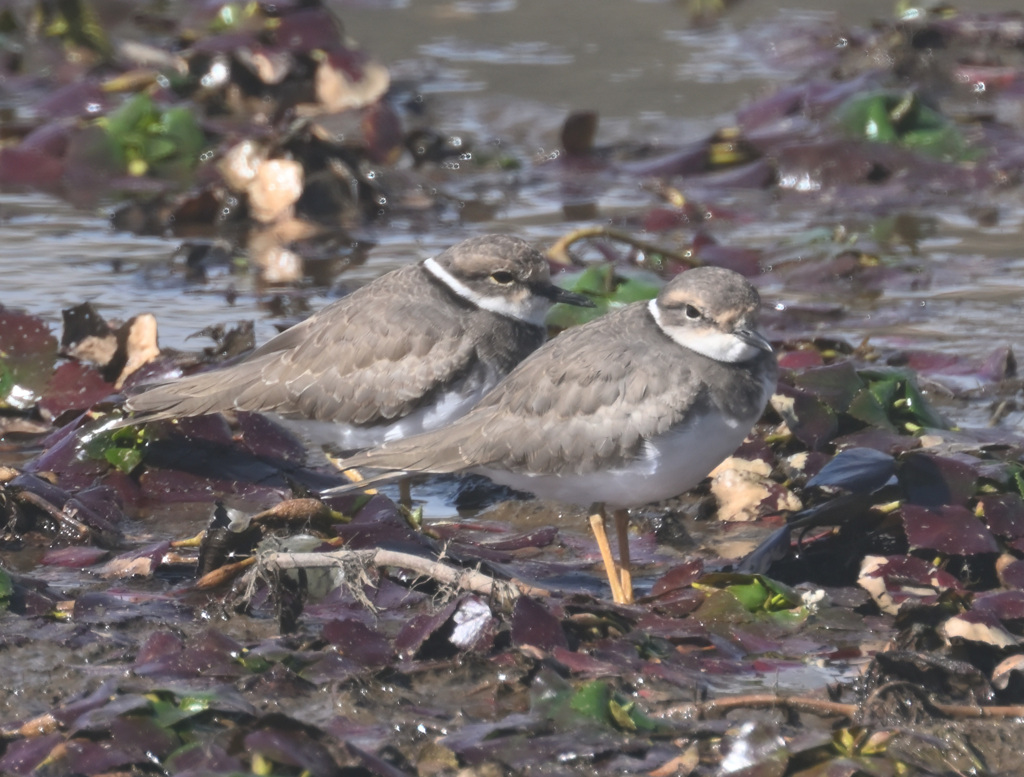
(364, 358)
(582, 403)
(583, 391)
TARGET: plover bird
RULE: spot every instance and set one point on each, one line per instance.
(632, 408)
(407, 353)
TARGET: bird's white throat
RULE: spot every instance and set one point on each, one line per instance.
(532, 310)
(720, 346)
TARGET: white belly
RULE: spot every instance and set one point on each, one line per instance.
(672, 463)
(451, 405)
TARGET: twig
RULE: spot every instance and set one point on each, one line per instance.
(977, 711)
(224, 574)
(824, 707)
(723, 705)
(559, 250)
(464, 579)
(67, 522)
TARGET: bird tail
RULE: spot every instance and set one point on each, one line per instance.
(399, 459)
(362, 483)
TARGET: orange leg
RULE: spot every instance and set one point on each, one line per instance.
(597, 525)
(357, 477)
(404, 488)
(622, 531)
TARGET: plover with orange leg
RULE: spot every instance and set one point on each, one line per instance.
(635, 407)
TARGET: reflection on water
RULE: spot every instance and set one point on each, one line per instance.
(53, 256)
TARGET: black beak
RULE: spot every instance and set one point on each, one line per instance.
(558, 294)
(754, 338)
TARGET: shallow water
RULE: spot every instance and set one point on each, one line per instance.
(510, 70)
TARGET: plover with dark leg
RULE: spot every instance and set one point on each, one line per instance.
(407, 353)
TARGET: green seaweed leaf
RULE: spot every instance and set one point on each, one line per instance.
(123, 448)
(608, 286)
(900, 118)
(146, 138)
(591, 700)
(7, 382)
(6, 589)
(124, 459)
(906, 406)
(756, 593)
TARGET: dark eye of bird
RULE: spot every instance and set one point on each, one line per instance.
(503, 277)
(692, 313)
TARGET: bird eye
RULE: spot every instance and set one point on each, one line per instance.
(692, 313)
(503, 277)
